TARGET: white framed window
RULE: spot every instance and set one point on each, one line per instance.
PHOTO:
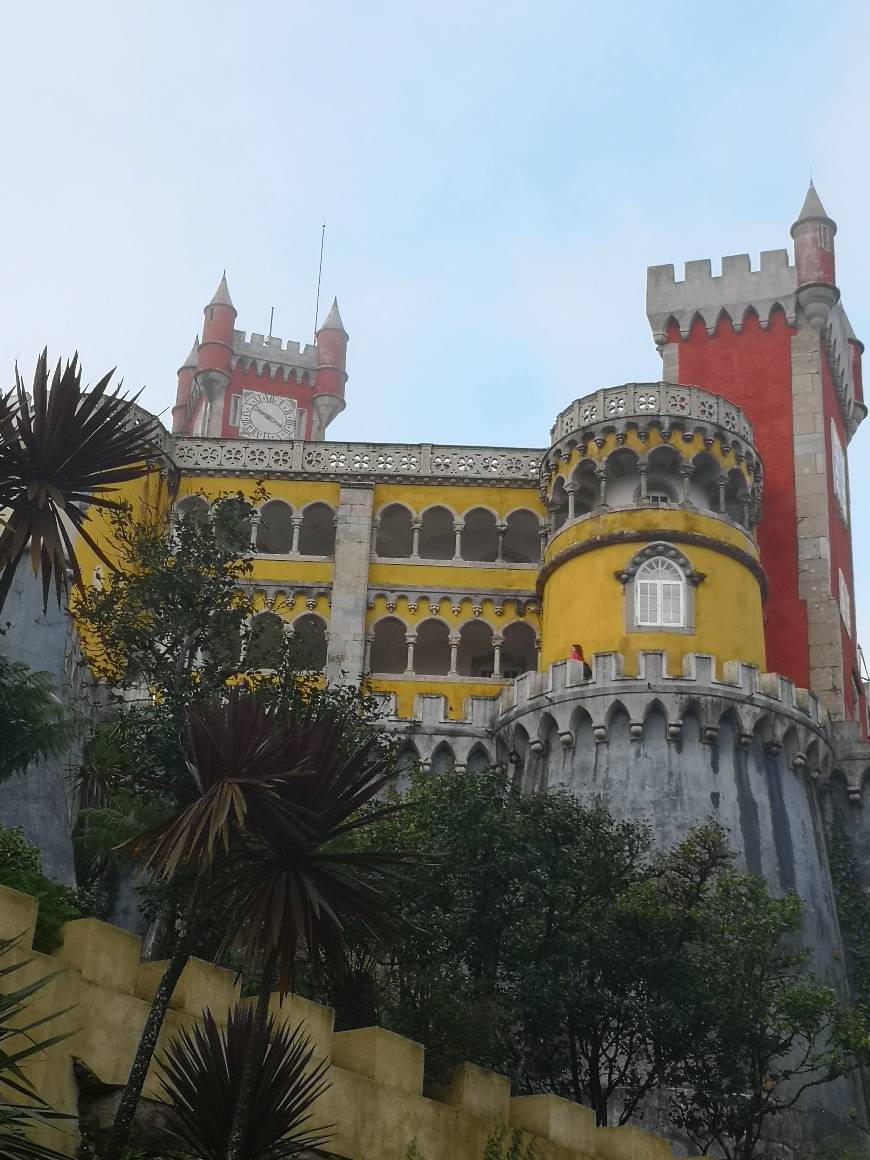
(838, 470)
(235, 404)
(659, 592)
(845, 602)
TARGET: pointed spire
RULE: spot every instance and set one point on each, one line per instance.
(333, 319)
(812, 207)
(221, 296)
(191, 360)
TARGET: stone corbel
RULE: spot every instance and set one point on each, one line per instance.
(567, 739)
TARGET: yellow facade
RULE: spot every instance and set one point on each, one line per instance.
(585, 603)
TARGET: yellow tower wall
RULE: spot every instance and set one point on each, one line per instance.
(585, 603)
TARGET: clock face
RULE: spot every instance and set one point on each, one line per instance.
(263, 416)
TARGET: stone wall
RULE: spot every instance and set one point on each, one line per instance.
(376, 1095)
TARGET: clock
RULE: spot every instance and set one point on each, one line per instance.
(263, 416)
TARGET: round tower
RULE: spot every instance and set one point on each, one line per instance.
(214, 362)
(653, 491)
(181, 410)
(327, 399)
(813, 234)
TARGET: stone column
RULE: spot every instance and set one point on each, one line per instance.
(501, 529)
(722, 484)
(416, 525)
(346, 650)
(410, 641)
(497, 642)
(643, 471)
(367, 654)
(544, 535)
(571, 491)
(296, 524)
(255, 528)
(454, 654)
(601, 476)
(376, 523)
(458, 525)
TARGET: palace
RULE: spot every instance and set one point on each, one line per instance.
(692, 536)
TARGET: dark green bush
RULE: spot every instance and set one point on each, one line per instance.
(21, 869)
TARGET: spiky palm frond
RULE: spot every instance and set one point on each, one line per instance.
(238, 756)
(201, 1071)
(68, 451)
(299, 890)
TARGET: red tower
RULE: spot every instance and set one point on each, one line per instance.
(234, 386)
(777, 342)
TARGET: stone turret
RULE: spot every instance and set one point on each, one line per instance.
(813, 234)
(214, 361)
(328, 397)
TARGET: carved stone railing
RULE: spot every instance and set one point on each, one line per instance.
(644, 401)
(357, 460)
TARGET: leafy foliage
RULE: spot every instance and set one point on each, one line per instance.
(34, 723)
(201, 1072)
(551, 943)
(21, 1107)
(59, 458)
(21, 869)
(853, 909)
(767, 1031)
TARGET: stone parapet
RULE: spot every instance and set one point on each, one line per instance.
(639, 404)
(419, 462)
(375, 1100)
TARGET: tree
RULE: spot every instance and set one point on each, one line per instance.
(34, 723)
(59, 457)
(276, 787)
(201, 1072)
(768, 1031)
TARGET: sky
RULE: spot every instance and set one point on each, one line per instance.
(495, 178)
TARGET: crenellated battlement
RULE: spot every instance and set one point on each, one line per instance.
(736, 290)
(375, 1098)
(753, 699)
(271, 349)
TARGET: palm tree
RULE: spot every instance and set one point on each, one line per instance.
(65, 453)
(273, 785)
(201, 1070)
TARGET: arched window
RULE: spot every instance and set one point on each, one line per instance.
(310, 631)
(432, 650)
(274, 534)
(475, 656)
(394, 532)
(389, 649)
(518, 650)
(437, 537)
(266, 642)
(317, 534)
(479, 536)
(659, 593)
(522, 540)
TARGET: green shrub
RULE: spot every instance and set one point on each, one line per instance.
(21, 869)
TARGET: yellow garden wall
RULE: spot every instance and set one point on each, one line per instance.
(375, 1099)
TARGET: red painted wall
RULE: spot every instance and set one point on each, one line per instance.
(753, 370)
(249, 380)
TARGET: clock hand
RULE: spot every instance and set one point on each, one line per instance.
(266, 415)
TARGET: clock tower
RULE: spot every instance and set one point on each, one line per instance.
(236, 385)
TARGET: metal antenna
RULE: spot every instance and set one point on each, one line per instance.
(319, 274)
(271, 320)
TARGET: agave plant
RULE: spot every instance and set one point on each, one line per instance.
(66, 452)
(25, 1109)
(201, 1072)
